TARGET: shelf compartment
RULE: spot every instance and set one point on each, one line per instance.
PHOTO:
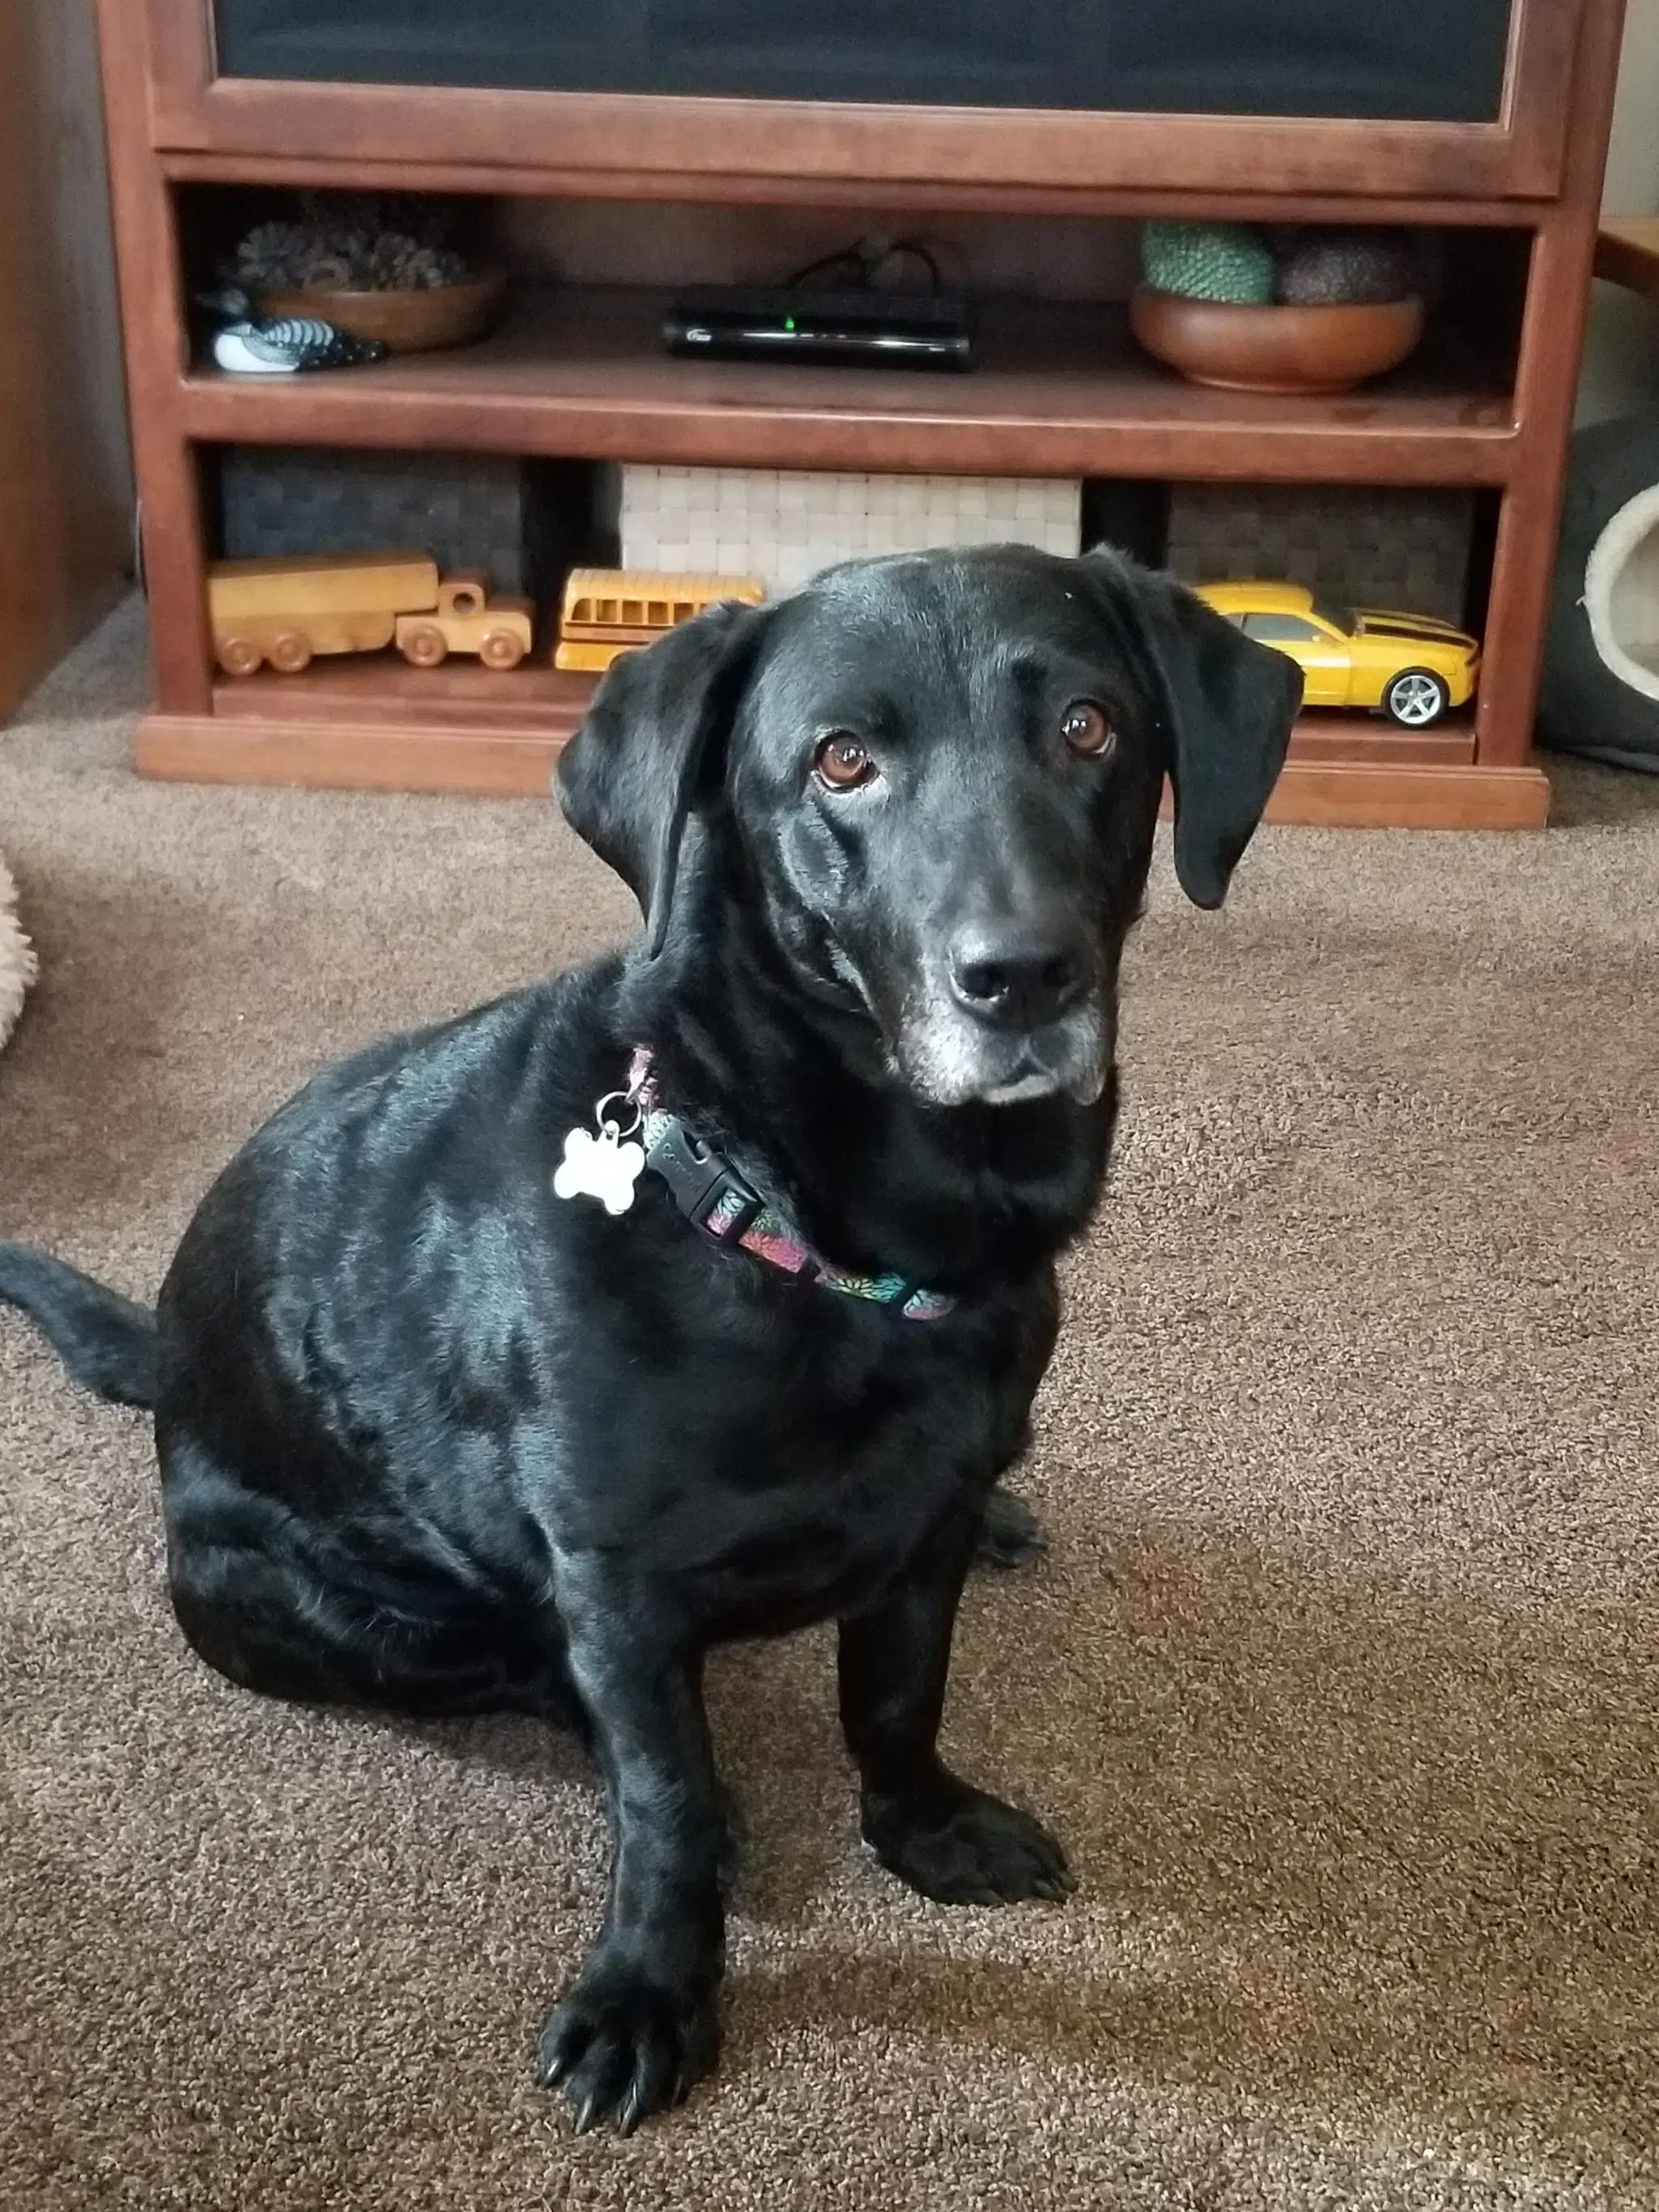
(581, 372)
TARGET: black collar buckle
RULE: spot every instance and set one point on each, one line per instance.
(702, 1180)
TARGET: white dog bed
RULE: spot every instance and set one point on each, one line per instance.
(18, 967)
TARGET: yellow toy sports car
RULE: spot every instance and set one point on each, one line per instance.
(1410, 666)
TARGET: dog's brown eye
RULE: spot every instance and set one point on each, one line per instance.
(1085, 729)
(843, 760)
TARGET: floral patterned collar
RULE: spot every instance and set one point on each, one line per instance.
(711, 1194)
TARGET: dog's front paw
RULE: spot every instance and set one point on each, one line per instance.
(1010, 1534)
(622, 2046)
(979, 1852)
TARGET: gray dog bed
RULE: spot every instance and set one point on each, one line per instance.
(1601, 688)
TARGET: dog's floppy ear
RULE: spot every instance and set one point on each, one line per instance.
(1228, 707)
(650, 746)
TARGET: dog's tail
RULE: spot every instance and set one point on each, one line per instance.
(107, 1342)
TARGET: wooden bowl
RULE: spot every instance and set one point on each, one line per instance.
(406, 322)
(1297, 351)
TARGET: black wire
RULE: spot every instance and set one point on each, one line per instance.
(847, 258)
(918, 251)
(863, 268)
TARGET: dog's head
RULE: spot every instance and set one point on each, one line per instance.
(938, 776)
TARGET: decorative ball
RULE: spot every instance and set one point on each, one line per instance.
(1348, 268)
(1225, 261)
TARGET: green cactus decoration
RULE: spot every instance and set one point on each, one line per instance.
(1226, 261)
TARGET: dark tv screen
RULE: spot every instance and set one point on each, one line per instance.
(1413, 60)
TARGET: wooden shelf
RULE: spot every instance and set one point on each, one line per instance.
(370, 722)
(365, 689)
(1378, 793)
(582, 373)
(1327, 735)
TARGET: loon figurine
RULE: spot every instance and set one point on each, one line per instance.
(246, 344)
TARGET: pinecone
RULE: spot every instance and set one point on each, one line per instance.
(289, 257)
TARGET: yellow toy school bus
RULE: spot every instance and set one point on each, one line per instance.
(608, 611)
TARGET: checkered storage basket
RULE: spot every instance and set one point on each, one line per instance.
(470, 510)
(1375, 546)
(784, 525)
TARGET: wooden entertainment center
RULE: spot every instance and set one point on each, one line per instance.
(1062, 390)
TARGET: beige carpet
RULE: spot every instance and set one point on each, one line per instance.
(1342, 1681)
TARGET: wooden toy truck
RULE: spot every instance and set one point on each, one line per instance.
(466, 620)
(286, 611)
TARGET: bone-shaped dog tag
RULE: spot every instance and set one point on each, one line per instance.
(601, 1167)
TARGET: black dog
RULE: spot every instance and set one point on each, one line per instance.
(433, 1436)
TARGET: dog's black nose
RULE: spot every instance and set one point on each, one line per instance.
(1018, 979)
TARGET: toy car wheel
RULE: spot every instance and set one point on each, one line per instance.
(423, 645)
(1416, 697)
(291, 653)
(502, 649)
(239, 656)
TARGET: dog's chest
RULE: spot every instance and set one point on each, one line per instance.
(777, 1482)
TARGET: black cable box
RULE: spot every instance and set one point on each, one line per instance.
(867, 330)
